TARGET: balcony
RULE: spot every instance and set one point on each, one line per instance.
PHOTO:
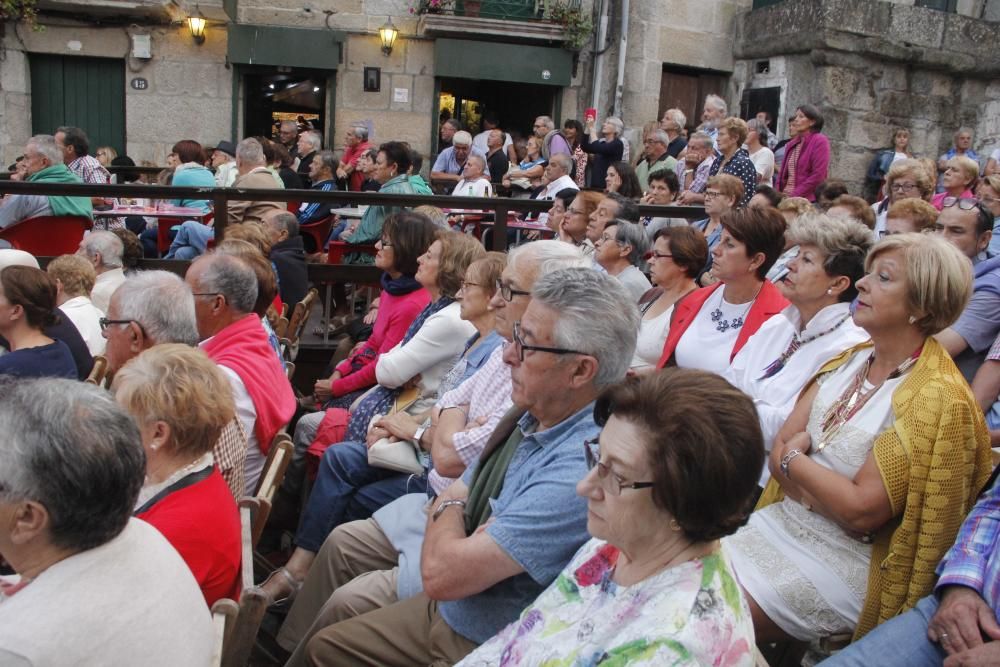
(519, 20)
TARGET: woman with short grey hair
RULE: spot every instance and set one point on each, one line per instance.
(620, 252)
(761, 156)
(90, 579)
(606, 149)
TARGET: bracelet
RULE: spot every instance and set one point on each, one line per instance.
(445, 505)
(786, 459)
(456, 407)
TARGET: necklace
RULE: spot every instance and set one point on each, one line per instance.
(721, 325)
(778, 364)
(854, 397)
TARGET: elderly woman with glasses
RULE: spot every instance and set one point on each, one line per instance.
(606, 150)
(790, 347)
(655, 521)
(711, 325)
(906, 179)
(722, 194)
(620, 252)
(877, 465)
(959, 179)
(734, 159)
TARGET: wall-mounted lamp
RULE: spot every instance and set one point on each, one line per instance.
(196, 24)
(388, 33)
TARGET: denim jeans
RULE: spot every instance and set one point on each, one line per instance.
(899, 642)
(348, 489)
(191, 240)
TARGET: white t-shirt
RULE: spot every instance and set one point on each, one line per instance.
(649, 343)
(708, 342)
(478, 188)
(131, 601)
(479, 141)
(763, 162)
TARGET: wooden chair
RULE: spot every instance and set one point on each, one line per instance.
(297, 324)
(99, 373)
(47, 234)
(239, 640)
(278, 458)
(224, 614)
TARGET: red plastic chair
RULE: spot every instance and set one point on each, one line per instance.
(293, 206)
(337, 250)
(314, 234)
(163, 226)
(48, 235)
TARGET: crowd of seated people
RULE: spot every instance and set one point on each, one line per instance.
(519, 458)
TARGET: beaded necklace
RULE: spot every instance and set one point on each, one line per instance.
(721, 325)
(778, 364)
(853, 398)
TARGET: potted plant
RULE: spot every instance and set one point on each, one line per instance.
(431, 6)
(578, 26)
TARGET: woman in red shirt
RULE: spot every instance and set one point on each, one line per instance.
(181, 401)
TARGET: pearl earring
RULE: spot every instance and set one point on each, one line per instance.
(912, 319)
(829, 291)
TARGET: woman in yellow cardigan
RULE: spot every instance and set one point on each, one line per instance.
(877, 465)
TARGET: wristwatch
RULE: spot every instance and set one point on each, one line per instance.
(419, 433)
(445, 505)
(786, 459)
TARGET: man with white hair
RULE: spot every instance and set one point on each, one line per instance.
(288, 135)
(556, 177)
(553, 141)
(308, 145)
(43, 160)
(449, 164)
(104, 250)
(154, 308)
(355, 144)
(656, 157)
(225, 292)
(502, 533)
(714, 111)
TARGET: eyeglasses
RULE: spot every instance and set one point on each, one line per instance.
(652, 254)
(964, 203)
(605, 239)
(105, 323)
(508, 293)
(521, 346)
(610, 482)
(712, 194)
(903, 187)
(465, 284)
(385, 243)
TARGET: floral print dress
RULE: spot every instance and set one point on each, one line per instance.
(690, 614)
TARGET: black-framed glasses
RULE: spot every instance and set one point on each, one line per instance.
(206, 294)
(712, 194)
(610, 482)
(508, 293)
(522, 346)
(105, 323)
(964, 203)
(652, 254)
(903, 187)
(385, 243)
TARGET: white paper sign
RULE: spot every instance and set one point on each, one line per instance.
(401, 95)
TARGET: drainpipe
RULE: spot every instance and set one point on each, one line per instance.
(622, 49)
(602, 46)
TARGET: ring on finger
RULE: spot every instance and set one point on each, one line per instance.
(942, 637)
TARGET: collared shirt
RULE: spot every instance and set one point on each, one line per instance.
(86, 317)
(537, 519)
(230, 453)
(447, 163)
(105, 286)
(552, 189)
(90, 170)
(700, 174)
(973, 560)
(487, 393)
(775, 396)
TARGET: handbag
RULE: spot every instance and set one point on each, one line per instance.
(399, 455)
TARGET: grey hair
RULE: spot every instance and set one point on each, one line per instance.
(631, 233)
(360, 131)
(312, 139)
(286, 221)
(593, 318)
(547, 121)
(844, 242)
(760, 127)
(617, 124)
(964, 130)
(479, 159)
(109, 245)
(703, 139)
(233, 279)
(545, 257)
(69, 447)
(677, 116)
(717, 103)
(562, 161)
(329, 160)
(660, 136)
(249, 151)
(46, 146)
(161, 302)
(289, 123)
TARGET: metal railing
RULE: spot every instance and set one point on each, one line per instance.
(220, 197)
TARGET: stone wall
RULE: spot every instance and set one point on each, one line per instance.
(189, 93)
(871, 66)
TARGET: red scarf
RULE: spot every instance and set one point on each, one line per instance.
(243, 347)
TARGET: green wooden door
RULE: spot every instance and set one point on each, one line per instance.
(88, 93)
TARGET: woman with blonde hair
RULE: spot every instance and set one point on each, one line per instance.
(906, 179)
(733, 159)
(910, 215)
(877, 465)
(181, 401)
(961, 175)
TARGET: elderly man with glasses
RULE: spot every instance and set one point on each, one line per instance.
(370, 565)
(656, 157)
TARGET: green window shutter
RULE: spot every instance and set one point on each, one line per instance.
(88, 93)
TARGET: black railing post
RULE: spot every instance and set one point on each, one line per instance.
(500, 228)
(220, 208)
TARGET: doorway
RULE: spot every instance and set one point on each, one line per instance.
(515, 104)
(274, 94)
(685, 88)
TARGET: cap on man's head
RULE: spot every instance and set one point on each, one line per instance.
(12, 257)
(461, 138)
(227, 147)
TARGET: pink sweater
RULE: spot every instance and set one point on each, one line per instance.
(395, 314)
